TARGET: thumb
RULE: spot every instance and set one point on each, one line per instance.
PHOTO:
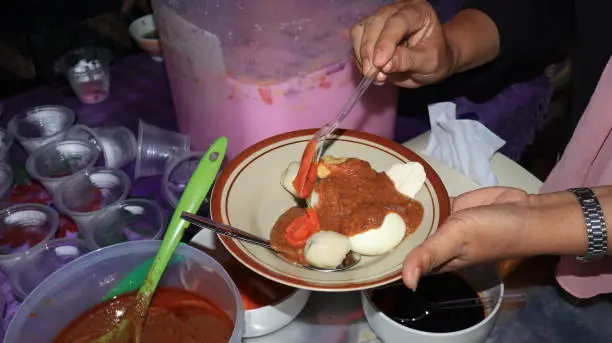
(439, 249)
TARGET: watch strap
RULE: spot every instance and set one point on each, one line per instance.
(595, 222)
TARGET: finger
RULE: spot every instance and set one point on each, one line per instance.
(450, 266)
(407, 60)
(441, 248)
(356, 39)
(372, 29)
(406, 21)
(404, 80)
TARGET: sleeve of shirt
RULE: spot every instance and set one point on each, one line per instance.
(533, 33)
(529, 29)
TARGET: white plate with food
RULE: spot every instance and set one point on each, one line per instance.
(371, 195)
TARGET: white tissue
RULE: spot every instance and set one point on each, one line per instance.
(464, 144)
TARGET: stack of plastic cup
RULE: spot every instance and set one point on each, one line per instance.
(24, 227)
(87, 70)
(42, 261)
(156, 147)
(53, 163)
(127, 220)
(41, 125)
(86, 194)
(117, 144)
(83, 283)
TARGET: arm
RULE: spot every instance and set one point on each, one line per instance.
(496, 223)
(561, 222)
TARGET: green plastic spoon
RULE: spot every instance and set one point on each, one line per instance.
(194, 194)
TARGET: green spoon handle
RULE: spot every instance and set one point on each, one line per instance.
(194, 194)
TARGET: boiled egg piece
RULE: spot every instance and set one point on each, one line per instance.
(326, 249)
(378, 241)
(408, 177)
(288, 175)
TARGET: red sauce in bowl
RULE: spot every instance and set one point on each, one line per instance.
(174, 316)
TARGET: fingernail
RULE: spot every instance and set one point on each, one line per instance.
(416, 274)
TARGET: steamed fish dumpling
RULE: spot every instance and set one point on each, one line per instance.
(408, 178)
(380, 240)
(288, 175)
(326, 249)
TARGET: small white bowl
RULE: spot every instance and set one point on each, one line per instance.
(265, 320)
(140, 30)
(484, 279)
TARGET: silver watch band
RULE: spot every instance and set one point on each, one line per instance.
(597, 233)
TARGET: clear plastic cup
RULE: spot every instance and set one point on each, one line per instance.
(23, 228)
(53, 163)
(6, 142)
(83, 283)
(117, 144)
(177, 175)
(41, 125)
(42, 261)
(6, 183)
(156, 147)
(87, 70)
(127, 220)
(90, 192)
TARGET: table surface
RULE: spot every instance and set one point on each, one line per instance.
(139, 90)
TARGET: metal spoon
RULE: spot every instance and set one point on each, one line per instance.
(351, 259)
(423, 308)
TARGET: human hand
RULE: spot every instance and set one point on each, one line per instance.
(405, 40)
(485, 225)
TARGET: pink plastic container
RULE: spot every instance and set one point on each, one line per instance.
(265, 72)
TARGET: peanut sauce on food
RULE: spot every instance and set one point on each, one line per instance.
(353, 198)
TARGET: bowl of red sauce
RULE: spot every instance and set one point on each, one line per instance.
(268, 305)
(195, 298)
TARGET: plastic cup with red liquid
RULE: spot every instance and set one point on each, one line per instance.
(53, 163)
(23, 228)
(86, 194)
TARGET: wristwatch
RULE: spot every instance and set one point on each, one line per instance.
(597, 233)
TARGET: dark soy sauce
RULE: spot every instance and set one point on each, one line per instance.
(401, 302)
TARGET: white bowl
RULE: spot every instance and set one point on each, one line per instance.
(265, 320)
(140, 29)
(248, 195)
(484, 279)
